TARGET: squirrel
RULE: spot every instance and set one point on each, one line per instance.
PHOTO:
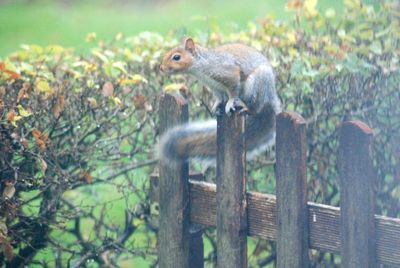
(242, 80)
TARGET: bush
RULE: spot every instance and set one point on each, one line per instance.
(77, 131)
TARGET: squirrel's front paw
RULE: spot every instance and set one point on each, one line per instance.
(235, 104)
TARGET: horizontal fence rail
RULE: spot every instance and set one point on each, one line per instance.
(324, 220)
(362, 238)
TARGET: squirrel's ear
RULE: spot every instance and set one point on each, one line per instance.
(189, 45)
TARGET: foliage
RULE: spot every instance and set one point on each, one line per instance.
(77, 131)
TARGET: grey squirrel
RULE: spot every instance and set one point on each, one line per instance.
(242, 79)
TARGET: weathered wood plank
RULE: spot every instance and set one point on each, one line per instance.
(174, 220)
(231, 192)
(324, 222)
(357, 196)
(291, 191)
(196, 244)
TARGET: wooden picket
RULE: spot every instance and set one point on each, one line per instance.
(362, 238)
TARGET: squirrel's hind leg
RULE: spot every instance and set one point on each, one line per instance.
(259, 90)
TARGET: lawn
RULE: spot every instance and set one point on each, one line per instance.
(68, 22)
(52, 22)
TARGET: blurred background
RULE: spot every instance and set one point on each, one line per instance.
(79, 104)
(67, 22)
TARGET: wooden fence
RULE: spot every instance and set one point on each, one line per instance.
(362, 238)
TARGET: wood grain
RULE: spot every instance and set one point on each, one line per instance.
(291, 191)
(324, 222)
(357, 196)
(174, 222)
(231, 192)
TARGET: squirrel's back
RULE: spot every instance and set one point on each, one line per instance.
(246, 57)
(231, 71)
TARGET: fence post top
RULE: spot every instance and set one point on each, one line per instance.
(356, 125)
(174, 96)
(292, 116)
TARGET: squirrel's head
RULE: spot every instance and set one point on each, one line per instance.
(179, 59)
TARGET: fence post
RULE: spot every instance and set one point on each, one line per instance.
(173, 234)
(231, 192)
(291, 191)
(196, 248)
(357, 196)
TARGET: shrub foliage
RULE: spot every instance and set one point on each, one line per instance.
(78, 129)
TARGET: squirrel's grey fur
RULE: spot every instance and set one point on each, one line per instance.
(256, 88)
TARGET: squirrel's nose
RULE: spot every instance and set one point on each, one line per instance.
(161, 68)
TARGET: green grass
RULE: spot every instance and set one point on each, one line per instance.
(49, 22)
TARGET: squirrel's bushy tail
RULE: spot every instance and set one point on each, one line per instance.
(199, 140)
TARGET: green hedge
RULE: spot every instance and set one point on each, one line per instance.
(78, 131)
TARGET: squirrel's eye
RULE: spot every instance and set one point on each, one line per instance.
(176, 57)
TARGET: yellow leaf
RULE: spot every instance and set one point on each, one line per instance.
(92, 102)
(134, 80)
(90, 37)
(291, 36)
(119, 65)
(117, 101)
(101, 56)
(43, 86)
(55, 49)
(137, 222)
(174, 87)
(310, 7)
(22, 112)
(330, 13)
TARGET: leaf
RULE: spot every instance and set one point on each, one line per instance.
(291, 36)
(108, 89)
(9, 190)
(24, 92)
(138, 222)
(40, 139)
(43, 86)
(43, 165)
(376, 47)
(8, 71)
(101, 56)
(2, 91)
(117, 101)
(90, 37)
(22, 112)
(134, 80)
(86, 176)
(139, 100)
(6, 247)
(13, 118)
(293, 4)
(8, 251)
(175, 88)
(92, 102)
(330, 13)
(59, 106)
(3, 227)
(119, 65)
(310, 7)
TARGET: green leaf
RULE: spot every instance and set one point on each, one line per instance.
(43, 86)
(22, 112)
